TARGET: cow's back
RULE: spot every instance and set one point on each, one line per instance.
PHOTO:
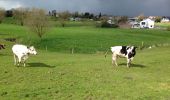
(120, 51)
(116, 49)
(19, 49)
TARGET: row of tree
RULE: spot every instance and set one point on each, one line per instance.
(74, 15)
(155, 18)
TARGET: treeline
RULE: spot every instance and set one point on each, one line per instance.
(20, 13)
(74, 15)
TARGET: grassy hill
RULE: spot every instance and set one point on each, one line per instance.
(84, 39)
(56, 74)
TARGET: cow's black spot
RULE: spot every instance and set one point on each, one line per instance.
(123, 50)
(133, 53)
(130, 55)
(127, 47)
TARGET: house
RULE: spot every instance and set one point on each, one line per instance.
(135, 25)
(75, 19)
(165, 20)
(109, 21)
(147, 23)
(134, 22)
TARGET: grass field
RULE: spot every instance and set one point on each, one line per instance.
(85, 39)
(164, 25)
(56, 74)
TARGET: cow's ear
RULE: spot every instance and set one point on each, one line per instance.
(135, 47)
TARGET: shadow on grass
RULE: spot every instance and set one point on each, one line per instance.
(133, 65)
(39, 65)
(5, 54)
(2, 55)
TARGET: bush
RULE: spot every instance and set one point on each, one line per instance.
(168, 28)
(98, 24)
(107, 25)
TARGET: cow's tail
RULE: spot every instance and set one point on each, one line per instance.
(106, 53)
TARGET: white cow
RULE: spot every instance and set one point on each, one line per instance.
(127, 52)
(21, 53)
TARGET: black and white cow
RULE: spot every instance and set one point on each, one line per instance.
(127, 52)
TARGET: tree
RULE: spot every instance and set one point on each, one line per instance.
(158, 19)
(9, 13)
(37, 21)
(104, 19)
(2, 14)
(100, 15)
(122, 19)
(141, 17)
(54, 13)
(63, 17)
(86, 15)
(75, 14)
(20, 15)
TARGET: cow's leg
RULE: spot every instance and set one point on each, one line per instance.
(15, 60)
(128, 62)
(24, 64)
(24, 61)
(114, 57)
(19, 60)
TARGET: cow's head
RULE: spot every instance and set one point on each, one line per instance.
(32, 50)
(131, 52)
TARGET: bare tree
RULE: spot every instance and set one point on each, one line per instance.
(37, 21)
(141, 17)
(2, 14)
(122, 19)
(158, 19)
(63, 17)
(20, 14)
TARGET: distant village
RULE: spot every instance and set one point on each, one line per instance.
(139, 21)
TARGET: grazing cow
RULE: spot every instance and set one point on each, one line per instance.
(2, 46)
(21, 53)
(127, 52)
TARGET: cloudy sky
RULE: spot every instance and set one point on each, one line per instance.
(111, 7)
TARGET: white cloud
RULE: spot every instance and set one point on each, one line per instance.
(9, 4)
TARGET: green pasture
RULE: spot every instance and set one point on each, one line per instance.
(164, 25)
(85, 39)
(57, 74)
